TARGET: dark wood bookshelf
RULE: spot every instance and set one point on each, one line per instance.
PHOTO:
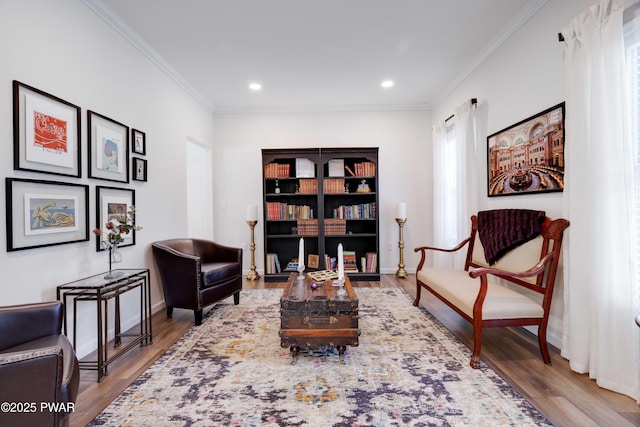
(327, 201)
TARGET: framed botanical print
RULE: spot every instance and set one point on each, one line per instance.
(108, 148)
(45, 213)
(46, 132)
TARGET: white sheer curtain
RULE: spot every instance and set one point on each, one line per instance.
(600, 288)
(455, 177)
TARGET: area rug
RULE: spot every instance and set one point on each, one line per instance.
(231, 371)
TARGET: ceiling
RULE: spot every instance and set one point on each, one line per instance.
(317, 54)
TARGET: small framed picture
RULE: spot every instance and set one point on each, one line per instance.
(313, 260)
(139, 145)
(114, 203)
(46, 132)
(108, 148)
(45, 213)
(139, 172)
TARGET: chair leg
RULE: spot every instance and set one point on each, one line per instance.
(198, 317)
(542, 342)
(477, 345)
(416, 302)
(169, 311)
(236, 298)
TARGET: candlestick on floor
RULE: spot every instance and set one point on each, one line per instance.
(401, 273)
(253, 274)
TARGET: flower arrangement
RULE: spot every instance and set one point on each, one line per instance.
(116, 230)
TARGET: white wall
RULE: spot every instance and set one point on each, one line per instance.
(402, 138)
(65, 49)
(521, 78)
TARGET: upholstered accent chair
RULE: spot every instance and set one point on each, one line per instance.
(37, 365)
(196, 273)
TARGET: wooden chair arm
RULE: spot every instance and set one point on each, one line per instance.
(533, 271)
(432, 248)
(424, 249)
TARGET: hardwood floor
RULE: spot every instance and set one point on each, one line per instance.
(565, 397)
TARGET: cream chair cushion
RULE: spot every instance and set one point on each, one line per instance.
(461, 290)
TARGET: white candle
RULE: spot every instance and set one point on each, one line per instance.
(252, 213)
(340, 262)
(301, 254)
(401, 210)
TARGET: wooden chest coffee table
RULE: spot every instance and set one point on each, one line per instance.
(318, 317)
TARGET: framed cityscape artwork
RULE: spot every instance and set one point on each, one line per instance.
(528, 157)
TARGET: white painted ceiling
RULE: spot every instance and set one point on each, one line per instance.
(317, 54)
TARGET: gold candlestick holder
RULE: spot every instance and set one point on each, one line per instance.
(401, 273)
(253, 274)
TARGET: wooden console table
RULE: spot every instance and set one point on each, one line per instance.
(97, 288)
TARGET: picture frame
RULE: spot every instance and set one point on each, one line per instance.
(110, 202)
(138, 142)
(46, 132)
(139, 169)
(528, 157)
(108, 148)
(313, 261)
(45, 213)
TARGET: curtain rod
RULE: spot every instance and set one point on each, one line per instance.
(474, 102)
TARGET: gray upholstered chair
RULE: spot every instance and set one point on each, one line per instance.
(196, 273)
(37, 365)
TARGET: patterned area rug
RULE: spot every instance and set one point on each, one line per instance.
(231, 371)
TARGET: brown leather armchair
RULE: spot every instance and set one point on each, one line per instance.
(196, 273)
(37, 366)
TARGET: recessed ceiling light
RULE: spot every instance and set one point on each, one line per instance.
(255, 86)
(387, 83)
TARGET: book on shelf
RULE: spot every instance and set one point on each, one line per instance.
(336, 167)
(305, 168)
(308, 186)
(292, 265)
(273, 264)
(330, 262)
(335, 226)
(333, 186)
(307, 227)
(359, 211)
(349, 261)
(371, 262)
(277, 170)
(278, 210)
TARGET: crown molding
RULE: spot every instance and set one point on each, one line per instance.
(532, 7)
(129, 34)
(322, 109)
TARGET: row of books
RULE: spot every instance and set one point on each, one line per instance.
(334, 226)
(368, 263)
(308, 186)
(277, 170)
(362, 169)
(307, 227)
(277, 210)
(273, 264)
(333, 185)
(360, 211)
